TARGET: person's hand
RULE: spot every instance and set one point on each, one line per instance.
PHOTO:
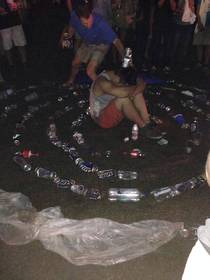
(67, 34)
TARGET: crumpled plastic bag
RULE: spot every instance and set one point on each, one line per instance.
(91, 241)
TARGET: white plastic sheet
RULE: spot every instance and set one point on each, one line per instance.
(92, 241)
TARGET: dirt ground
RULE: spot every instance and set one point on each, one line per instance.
(162, 166)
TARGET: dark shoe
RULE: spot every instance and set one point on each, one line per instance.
(150, 132)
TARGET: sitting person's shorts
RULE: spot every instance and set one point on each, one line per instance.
(13, 35)
(110, 116)
(92, 52)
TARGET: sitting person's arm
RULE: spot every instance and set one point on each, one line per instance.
(119, 90)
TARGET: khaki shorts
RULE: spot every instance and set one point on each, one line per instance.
(92, 52)
(13, 35)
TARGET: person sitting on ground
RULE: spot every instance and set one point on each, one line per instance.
(97, 36)
(197, 266)
(111, 101)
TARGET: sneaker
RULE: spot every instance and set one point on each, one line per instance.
(150, 132)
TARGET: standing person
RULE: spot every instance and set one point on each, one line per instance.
(124, 13)
(184, 19)
(69, 5)
(202, 34)
(12, 32)
(143, 31)
(97, 37)
(198, 263)
(161, 32)
(111, 101)
(103, 8)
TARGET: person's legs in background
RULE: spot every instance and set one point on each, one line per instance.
(75, 66)
(142, 33)
(184, 43)
(156, 47)
(174, 45)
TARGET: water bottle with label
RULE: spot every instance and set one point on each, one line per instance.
(44, 173)
(124, 194)
(102, 174)
(63, 183)
(135, 132)
(79, 189)
(196, 135)
(128, 58)
(127, 175)
(73, 154)
(22, 163)
(93, 194)
(164, 193)
(52, 131)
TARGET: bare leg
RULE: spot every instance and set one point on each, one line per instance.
(140, 104)
(74, 71)
(22, 52)
(91, 70)
(126, 106)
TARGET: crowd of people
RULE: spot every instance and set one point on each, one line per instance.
(161, 33)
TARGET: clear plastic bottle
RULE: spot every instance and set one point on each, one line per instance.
(194, 125)
(22, 163)
(52, 131)
(135, 132)
(78, 137)
(79, 189)
(63, 183)
(164, 193)
(172, 191)
(102, 174)
(127, 175)
(196, 134)
(86, 166)
(44, 173)
(93, 194)
(127, 60)
(124, 194)
(73, 154)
